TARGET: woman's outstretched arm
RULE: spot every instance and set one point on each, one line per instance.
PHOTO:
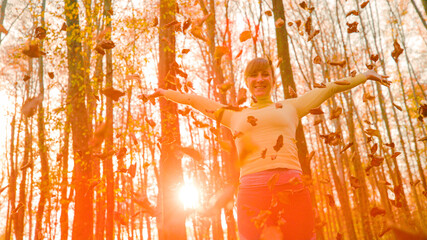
(205, 105)
(317, 96)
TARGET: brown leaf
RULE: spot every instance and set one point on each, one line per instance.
(220, 51)
(40, 33)
(310, 156)
(32, 50)
(354, 182)
(376, 160)
(154, 22)
(395, 154)
(30, 105)
(391, 145)
(106, 44)
(367, 97)
(51, 75)
(263, 153)
(307, 26)
(298, 23)
(423, 139)
(185, 51)
(353, 12)
(252, 120)
(319, 85)
(112, 93)
(373, 132)
(292, 93)
(278, 105)
(239, 53)
(370, 66)
(335, 113)
(2, 29)
(279, 23)
(337, 63)
(312, 35)
(245, 35)
(290, 24)
(316, 111)
(198, 32)
(363, 5)
(279, 61)
(64, 27)
(397, 106)
(375, 211)
(347, 147)
(26, 78)
(353, 73)
(352, 27)
(374, 57)
(241, 96)
(317, 60)
(342, 82)
(99, 49)
(331, 200)
(268, 13)
(396, 51)
(374, 148)
(279, 143)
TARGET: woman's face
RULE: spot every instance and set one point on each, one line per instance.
(260, 83)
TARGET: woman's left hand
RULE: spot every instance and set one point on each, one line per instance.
(381, 79)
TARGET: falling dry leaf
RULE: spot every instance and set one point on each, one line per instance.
(354, 182)
(185, 51)
(198, 32)
(312, 35)
(32, 50)
(186, 24)
(374, 57)
(373, 132)
(316, 111)
(395, 154)
(292, 93)
(268, 13)
(397, 106)
(367, 97)
(64, 27)
(26, 78)
(239, 53)
(278, 105)
(279, 23)
(347, 146)
(317, 60)
(374, 148)
(319, 85)
(396, 51)
(30, 105)
(363, 5)
(375, 160)
(375, 211)
(112, 93)
(241, 96)
(353, 73)
(352, 27)
(331, 200)
(51, 75)
(335, 113)
(40, 33)
(106, 44)
(353, 12)
(2, 29)
(337, 63)
(245, 35)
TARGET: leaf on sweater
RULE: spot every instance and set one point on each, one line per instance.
(252, 120)
(279, 143)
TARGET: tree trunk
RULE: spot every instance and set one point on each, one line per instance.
(109, 141)
(83, 217)
(288, 80)
(44, 184)
(173, 218)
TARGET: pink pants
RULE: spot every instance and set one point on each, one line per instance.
(286, 205)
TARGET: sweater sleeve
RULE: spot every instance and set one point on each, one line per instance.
(317, 96)
(205, 105)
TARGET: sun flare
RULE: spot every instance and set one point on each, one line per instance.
(189, 196)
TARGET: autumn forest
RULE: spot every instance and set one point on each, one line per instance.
(86, 152)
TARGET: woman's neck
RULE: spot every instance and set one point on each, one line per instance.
(261, 102)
